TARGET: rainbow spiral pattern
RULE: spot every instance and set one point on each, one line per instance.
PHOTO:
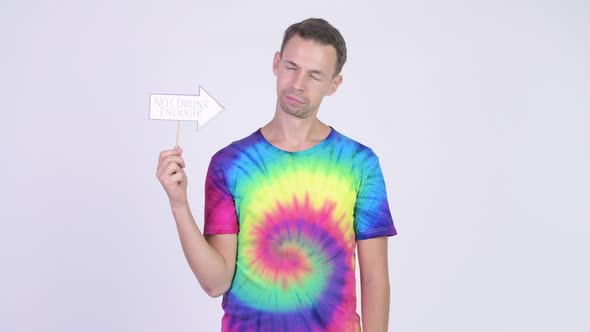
(298, 216)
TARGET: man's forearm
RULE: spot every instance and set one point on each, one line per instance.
(375, 304)
(206, 262)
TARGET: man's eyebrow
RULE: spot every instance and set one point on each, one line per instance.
(292, 63)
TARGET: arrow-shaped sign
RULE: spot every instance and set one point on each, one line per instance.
(201, 108)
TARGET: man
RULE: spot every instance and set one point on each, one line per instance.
(286, 207)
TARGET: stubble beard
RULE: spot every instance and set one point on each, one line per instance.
(301, 112)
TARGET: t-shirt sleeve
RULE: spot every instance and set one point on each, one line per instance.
(372, 217)
(220, 209)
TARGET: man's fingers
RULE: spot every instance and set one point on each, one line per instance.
(176, 177)
(163, 164)
(161, 160)
(175, 159)
(177, 151)
(165, 171)
(170, 169)
(171, 159)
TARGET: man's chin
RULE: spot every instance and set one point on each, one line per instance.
(298, 113)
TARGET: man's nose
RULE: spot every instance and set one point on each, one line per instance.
(299, 81)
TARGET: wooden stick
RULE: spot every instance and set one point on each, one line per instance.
(177, 131)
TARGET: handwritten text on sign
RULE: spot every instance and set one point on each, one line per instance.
(201, 108)
(171, 107)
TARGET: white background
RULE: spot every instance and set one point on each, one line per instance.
(479, 111)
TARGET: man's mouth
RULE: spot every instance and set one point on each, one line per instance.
(294, 100)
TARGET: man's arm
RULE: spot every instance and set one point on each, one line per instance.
(212, 260)
(372, 255)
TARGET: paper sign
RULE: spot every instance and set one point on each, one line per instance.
(201, 108)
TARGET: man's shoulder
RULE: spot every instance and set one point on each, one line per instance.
(235, 148)
(354, 146)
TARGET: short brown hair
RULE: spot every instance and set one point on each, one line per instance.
(321, 31)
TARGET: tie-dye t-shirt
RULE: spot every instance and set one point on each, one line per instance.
(297, 216)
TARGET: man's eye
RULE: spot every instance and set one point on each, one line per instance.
(290, 68)
(315, 77)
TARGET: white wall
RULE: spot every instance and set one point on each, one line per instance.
(479, 111)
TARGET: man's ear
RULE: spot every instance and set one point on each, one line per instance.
(334, 85)
(275, 63)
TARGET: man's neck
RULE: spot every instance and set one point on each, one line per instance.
(290, 133)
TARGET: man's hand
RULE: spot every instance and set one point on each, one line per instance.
(171, 174)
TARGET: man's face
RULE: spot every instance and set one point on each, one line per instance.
(305, 74)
